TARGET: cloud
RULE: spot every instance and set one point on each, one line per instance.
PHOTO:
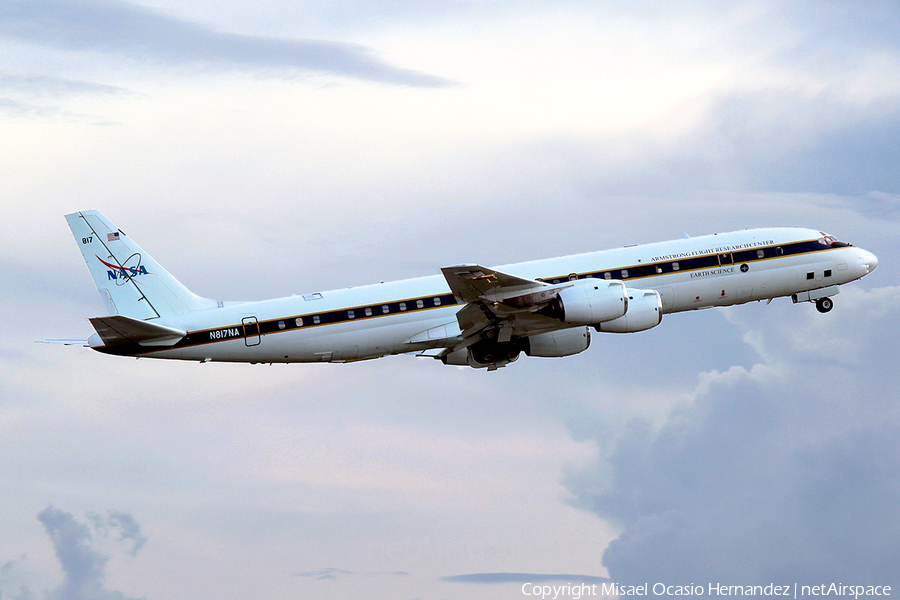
(849, 152)
(34, 95)
(14, 108)
(327, 573)
(335, 573)
(380, 166)
(12, 581)
(83, 565)
(787, 471)
(132, 31)
(42, 85)
(522, 578)
(127, 527)
(879, 205)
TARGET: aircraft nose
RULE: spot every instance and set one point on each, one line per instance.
(869, 260)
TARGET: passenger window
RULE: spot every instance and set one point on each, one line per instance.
(827, 272)
(403, 306)
(675, 266)
(437, 301)
(420, 304)
(298, 322)
(281, 325)
(624, 273)
(385, 309)
(810, 275)
(316, 319)
(659, 269)
(760, 254)
(368, 312)
(350, 314)
(779, 251)
(607, 276)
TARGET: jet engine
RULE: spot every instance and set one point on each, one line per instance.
(492, 354)
(562, 342)
(644, 312)
(488, 354)
(588, 302)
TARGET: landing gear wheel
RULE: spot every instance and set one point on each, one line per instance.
(823, 305)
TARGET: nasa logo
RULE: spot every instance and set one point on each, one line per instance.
(745, 268)
(117, 273)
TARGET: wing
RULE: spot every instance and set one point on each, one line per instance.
(474, 282)
(498, 302)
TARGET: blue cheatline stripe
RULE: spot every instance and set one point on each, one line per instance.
(410, 305)
(705, 261)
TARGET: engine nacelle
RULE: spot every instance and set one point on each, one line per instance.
(562, 342)
(589, 301)
(487, 354)
(644, 312)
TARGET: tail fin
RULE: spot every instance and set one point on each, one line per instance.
(131, 283)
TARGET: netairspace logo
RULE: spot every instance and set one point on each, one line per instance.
(795, 591)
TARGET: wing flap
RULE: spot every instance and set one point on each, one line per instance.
(116, 330)
(436, 337)
(474, 318)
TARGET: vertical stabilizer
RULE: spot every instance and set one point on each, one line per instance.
(131, 283)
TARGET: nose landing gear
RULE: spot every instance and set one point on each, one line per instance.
(821, 296)
(823, 305)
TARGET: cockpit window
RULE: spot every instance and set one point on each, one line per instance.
(828, 240)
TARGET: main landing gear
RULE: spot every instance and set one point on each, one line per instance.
(823, 305)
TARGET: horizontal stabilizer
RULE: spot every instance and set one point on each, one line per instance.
(116, 330)
(66, 341)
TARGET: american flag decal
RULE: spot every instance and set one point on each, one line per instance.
(112, 237)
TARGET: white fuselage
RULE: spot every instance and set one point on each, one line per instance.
(396, 317)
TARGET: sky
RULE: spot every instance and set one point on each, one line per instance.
(265, 150)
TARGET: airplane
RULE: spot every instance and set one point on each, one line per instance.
(469, 315)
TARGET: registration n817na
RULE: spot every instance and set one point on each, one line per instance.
(468, 314)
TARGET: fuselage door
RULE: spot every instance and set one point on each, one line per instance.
(726, 259)
(251, 331)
